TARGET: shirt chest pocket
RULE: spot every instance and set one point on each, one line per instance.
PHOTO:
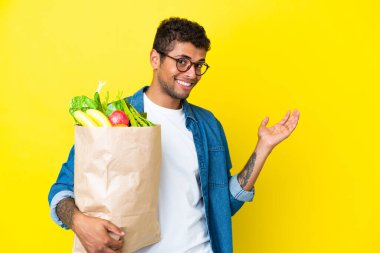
(217, 167)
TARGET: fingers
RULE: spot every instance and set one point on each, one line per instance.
(264, 122)
(285, 118)
(289, 121)
(295, 116)
(115, 244)
(116, 237)
(108, 250)
(114, 229)
(293, 121)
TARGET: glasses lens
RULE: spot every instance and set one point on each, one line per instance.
(184, 65)
(202, 69)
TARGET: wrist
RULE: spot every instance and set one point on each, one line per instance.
(76, 216)
(263, 148)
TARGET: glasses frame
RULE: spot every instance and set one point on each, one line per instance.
(183, 58)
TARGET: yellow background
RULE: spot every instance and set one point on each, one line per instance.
(319, 190)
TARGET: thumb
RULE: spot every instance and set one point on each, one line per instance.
(264, 122)
(114, 229)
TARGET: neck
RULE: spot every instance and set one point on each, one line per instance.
(156, 95)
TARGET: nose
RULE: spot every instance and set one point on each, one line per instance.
(191, 71)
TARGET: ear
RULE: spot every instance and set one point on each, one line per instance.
(154, 59)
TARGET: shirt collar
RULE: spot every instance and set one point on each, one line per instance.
(137, 100)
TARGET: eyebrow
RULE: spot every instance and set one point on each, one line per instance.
(188, 57)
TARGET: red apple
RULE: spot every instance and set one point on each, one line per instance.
(118, 117)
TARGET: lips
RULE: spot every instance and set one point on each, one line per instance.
(184, 84)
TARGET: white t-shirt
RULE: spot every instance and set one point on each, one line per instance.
(181, 209)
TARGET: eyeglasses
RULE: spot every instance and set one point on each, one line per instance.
(184, 64)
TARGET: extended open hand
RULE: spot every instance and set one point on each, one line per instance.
(274, 135)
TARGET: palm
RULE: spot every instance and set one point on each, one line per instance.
(277, 133)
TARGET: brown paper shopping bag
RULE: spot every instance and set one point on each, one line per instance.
(116, 177)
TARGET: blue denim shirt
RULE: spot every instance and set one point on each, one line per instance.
(222, 194)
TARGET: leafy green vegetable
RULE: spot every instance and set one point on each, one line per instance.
(113, 106)
(82, 103)
(105, 103)
(97, 101)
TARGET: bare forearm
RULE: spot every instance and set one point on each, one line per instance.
(249, 174)
(65, 211)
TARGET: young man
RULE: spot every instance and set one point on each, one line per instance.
(197, 195)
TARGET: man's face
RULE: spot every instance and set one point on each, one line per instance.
(174, 83)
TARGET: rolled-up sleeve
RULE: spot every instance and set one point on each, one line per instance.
(238, 196)
(238, 192)
(53, 206)
(62, 188)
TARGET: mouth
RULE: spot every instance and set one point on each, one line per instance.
(185, 84)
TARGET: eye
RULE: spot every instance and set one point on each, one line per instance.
(199, 65)
(182, 61)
